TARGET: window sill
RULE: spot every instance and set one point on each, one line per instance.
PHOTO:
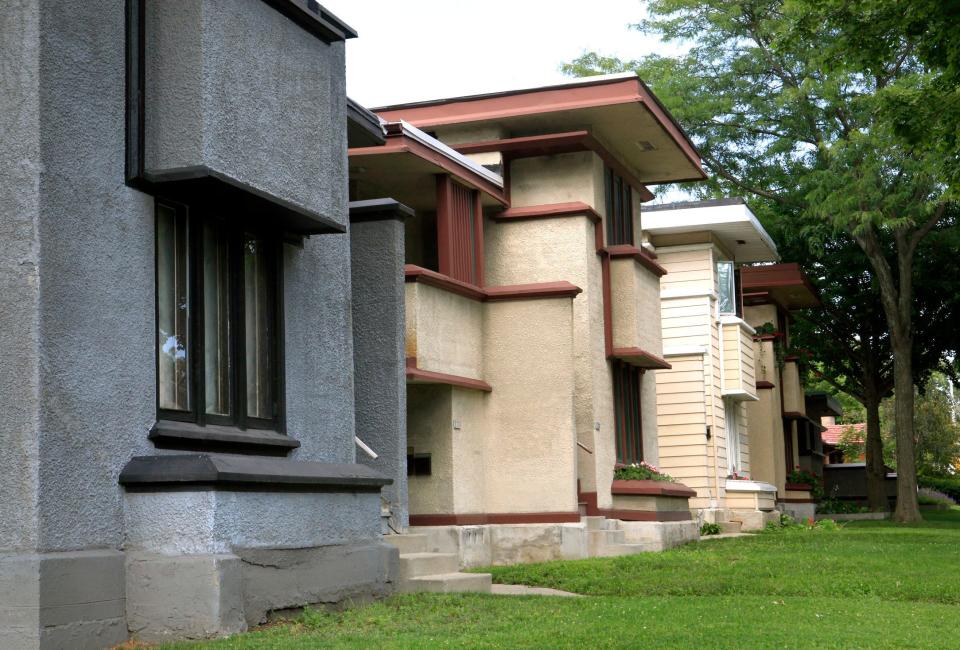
(168, 434)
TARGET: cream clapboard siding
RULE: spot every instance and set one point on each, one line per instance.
(681, 421)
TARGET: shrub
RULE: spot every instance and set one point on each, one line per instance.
(928, 497)
(809, 478)
(827, 524)
(949, 485)
(838, 507)
(641, 471)
(710, 529)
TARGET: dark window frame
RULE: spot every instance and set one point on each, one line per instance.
(628, 412)
(618, 196)
(196, 217)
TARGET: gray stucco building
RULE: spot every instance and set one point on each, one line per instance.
(183, 314)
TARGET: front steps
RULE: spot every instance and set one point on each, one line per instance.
(606, 539)
(421, 570)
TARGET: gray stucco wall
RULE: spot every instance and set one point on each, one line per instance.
(77, 386)
(378, 330)
(19, 277)
(273, 121)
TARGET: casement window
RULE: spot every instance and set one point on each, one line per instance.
(628, 421)
(732, 417)
(218, 321)
(619, 200)
(459, 231)
(728, 290)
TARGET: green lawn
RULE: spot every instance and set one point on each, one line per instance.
(868, 585)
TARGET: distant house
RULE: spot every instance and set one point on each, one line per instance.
(833, 434)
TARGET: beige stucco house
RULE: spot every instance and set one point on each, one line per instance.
(533, 316)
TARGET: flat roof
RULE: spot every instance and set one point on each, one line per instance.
(619, 110)
(730, 220)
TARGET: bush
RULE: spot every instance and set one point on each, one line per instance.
(949, 485)
(929, 497)
(710, 529)
(838, 507)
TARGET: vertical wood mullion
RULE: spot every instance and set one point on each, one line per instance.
(478, 239)
(640, 414)
(444, 225)
(235, 244)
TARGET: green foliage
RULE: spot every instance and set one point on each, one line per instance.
(709, 528)
(937, 435)
(840, 119)
(833, 506)
(949, 485)
(808, 478)
(641, 471)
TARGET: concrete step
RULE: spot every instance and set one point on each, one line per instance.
(448, 583)
(414, 565)
(616, 550)
(730, 526)
(598, 540)
(408, 542)
(594, 522)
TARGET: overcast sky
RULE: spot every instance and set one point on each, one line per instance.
(428, 49)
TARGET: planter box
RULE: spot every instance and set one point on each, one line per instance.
(635, 500)
(750, 495)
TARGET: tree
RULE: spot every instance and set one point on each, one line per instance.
(787, 104)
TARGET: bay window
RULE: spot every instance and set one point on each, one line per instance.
(619, 207)
(628, 423)
(218, 321)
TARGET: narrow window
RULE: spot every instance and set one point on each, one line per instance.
(731, 415)
(218, 321)
(726, 288)
(619, 204)
(628, 423)
(173, 314)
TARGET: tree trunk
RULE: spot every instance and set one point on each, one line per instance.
(907, 510)
(873, 450)
(896, 295)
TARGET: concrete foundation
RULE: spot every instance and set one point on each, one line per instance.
(504, 544)
(62, 600)
(799, 511)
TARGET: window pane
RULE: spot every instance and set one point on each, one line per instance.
(172, 310)
(216, 320)
(727, 299)
(258, 321)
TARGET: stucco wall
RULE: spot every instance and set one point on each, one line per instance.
(557, 179)
(444, 331)
(93, 308)
(376, 252)
(530, 451)
(20, 173)
(430, 430)
(635, 297)
(235, 86)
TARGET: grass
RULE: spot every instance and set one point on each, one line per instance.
(867, 585)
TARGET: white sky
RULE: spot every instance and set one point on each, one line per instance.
(428, 49)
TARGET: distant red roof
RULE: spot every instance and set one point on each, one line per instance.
(832, 434)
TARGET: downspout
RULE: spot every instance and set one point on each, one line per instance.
(714, 501)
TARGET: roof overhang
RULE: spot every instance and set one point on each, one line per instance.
(784, 284)
(819, 405)
(406, 166)
(618, 110)
(730, 221)
(363, 127)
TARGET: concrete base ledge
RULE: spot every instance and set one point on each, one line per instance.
(62, 600)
